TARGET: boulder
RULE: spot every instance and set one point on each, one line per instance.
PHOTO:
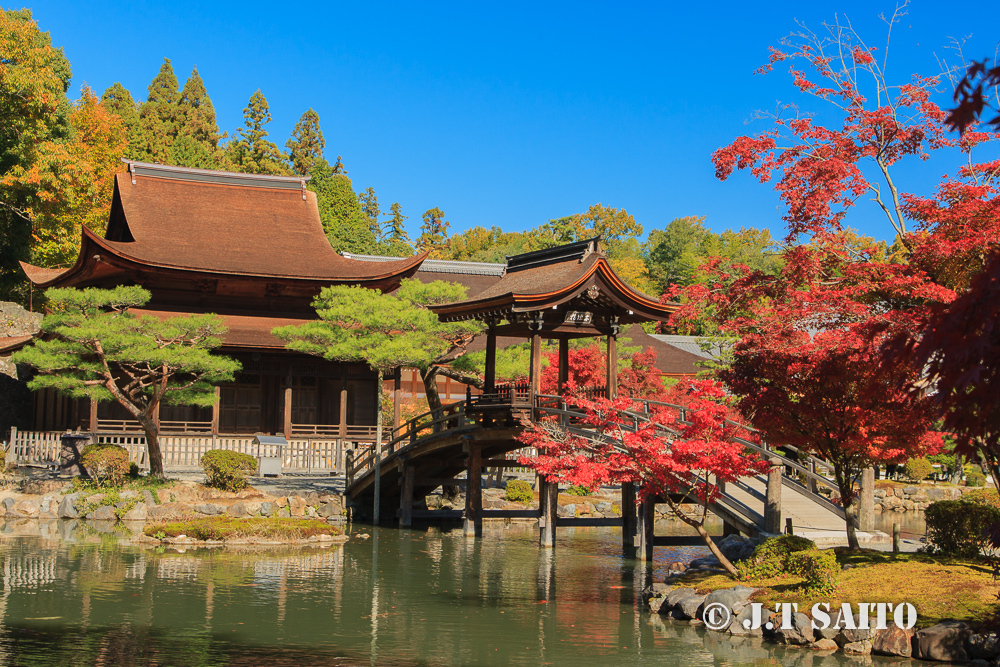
(742, 621)
(566, 510)
(328, 509)
(704, 562)
(67, 508)
(690, 606)
(39, 487)
(147, 498)
(297, 506)
(944, 642)
(824, 645)
(984, 646)
(894, 640)
(858, 648)
(733, 598)
(27, 508)
(655, 596)
(105, 513)
(800, 634)
(8, 504)
(209, 509)
(137, 513)
(267, 509)
(237, 510)
(675, 595)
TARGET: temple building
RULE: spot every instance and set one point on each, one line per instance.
(251, 249)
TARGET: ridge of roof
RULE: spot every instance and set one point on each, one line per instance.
(136, 168)
(439, 265)
(579, 251)
(690, 344)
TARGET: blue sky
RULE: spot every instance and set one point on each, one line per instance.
(508, 115)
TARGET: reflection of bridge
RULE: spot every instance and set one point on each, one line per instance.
(430, 450)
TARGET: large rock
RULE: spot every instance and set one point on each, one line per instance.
(690, 606)
(825, 645)
(105, 513)
(39, 487)
(8, 504)
(944, 642)
(675, 595)
(704, 562)
(296, 506)
(799, 634)
(863, 647)
(27, 508)
(148, 498)
(67, 508)
(137, 513)
(894, 640)
(209, 509)
(655, 596)
(267, 509)
(733, 598)
(741, 621)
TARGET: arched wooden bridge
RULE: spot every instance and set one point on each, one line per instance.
(431, 450)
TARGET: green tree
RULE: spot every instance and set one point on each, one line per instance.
(160, 118)
(94, 348)
(479, 244)
(250, 151)
(197, 141)
(118, 100)
(340, 211)
(395, 240)
(307, 143)
(370, 209)
(434, 232)
(34, 109)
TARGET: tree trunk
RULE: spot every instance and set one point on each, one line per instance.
(847, 500)
(152, 445)
(709, 542)
(429, 378)
(956, 473)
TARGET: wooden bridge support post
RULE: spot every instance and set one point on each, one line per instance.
(397, 399)
(629, 527)
(406, 495)
(535, 372)
(866, 501)
(548, 501)
(474, 492)
(772, 502)
(490, 375)
(644, 543)
(611, 387)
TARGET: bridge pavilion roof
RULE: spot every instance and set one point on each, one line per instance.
(569, 291)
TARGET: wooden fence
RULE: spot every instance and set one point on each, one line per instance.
(185, 451)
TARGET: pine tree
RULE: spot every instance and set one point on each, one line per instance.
(160, 118)
(250, 151)
(371, 211)
(197, 143)
(395, 240)
(307, 143)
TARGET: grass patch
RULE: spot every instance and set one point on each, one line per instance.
(938, 588)
(110, 498)
(221, 528)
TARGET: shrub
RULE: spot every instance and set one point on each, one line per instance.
(818, 567)
(228, 470)
(221, 528)
(958, 528)
(770, 558)
(106, 464)
(917, 470)
(576, 490)
(983, 497)
(519, 491)
(974, 476)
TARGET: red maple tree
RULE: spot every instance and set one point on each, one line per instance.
(668, 458)
(588, 368)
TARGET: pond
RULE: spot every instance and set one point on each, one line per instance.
(427, 596)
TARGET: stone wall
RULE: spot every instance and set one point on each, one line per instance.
(915, 497)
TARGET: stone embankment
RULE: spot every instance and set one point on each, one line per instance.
(916, 497)
(56, 499)
(947, 641)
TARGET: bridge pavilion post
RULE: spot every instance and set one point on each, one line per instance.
(548, 500)
(772, 503)
(474, 491)
(490, 381)
(406, 494)
(646, 516)
(563, 364)
(629, 524)
(535, 372)
(611, 387)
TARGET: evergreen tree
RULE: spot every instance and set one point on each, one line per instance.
(340, 211)
(434, 232)
(395, 240)
(117, 100)
(307, 143)
(250, 151)
(197, 143)
(160, 118)
(371, 211)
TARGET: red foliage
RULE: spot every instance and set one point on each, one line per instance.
(701, 454)
(588, 368)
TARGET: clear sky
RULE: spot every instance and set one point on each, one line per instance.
(513, 114)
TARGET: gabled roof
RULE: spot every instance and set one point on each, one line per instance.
(575, 275)
(209, 222)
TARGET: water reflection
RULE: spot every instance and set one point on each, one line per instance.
(403, 597)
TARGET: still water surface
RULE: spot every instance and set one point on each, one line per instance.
(401, 597)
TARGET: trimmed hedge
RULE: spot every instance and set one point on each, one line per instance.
(958, 527)
(518, 491)
(577, 490)
(107, 464)
(918, 470)
(819, 568)
(228, 470)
